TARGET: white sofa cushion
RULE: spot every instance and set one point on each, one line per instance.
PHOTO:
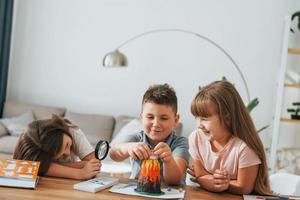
(95, 127)
(8, 144)
(121, 121)
(3, 130)
(12, 109)
(132, 127)
(18, 125)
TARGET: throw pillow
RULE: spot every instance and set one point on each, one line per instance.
(121, 121)
(18, 125)
(3, 130)
(132, 127)
(95, 127)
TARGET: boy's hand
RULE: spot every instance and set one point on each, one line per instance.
(163, 151)
(221, 180)
(139, 151)
(91, 169)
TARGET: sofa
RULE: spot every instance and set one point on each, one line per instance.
(17, 115)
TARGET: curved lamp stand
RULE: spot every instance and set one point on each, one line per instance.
(118, 59)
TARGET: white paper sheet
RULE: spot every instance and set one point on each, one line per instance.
(254, 197)
(170, 193)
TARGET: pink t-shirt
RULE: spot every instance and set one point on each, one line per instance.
(235, 154)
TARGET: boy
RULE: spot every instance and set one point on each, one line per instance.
(159, 117)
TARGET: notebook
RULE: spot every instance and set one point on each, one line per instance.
(19, 173)
(96, 184)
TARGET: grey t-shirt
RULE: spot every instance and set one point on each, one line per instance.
(81, 146)
(178, 144)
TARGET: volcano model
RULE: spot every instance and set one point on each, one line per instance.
(149, 178)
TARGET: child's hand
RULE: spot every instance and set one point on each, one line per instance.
(221, 180)
(191, 171)
(139, 151)
(91, 169)
(163, 151)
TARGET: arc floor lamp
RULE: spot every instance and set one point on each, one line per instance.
(118, 59)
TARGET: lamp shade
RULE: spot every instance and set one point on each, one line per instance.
(115, 59)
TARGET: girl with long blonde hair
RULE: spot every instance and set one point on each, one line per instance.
(227, 152)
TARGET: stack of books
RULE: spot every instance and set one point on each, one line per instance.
(19, 173)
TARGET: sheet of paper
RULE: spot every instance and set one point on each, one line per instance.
(255, 197)
(169, 193)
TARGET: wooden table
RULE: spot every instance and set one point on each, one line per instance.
(58, 188)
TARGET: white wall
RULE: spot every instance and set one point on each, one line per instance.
(289, 134)
(58, 46)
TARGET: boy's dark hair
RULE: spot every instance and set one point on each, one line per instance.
(161, 94)
(42, 141)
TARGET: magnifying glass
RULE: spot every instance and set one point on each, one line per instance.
(101, 149)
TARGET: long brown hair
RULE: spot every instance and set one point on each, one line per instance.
(235, 117)
(42, 141)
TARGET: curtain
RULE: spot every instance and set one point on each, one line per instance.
(6, 14)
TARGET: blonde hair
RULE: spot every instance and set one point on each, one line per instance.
(234, 116)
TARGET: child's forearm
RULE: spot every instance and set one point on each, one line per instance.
(78, 165)
(119, 152)
(58, 170)
(174, 171)
(207, 182)
(236, 188)
(90, 156)
(205, 179)
(172, 174)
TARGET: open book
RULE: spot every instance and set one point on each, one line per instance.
(19, 173)
(96, 184)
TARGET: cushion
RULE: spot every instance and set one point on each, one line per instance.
(6, 155)
(122, 120)
(178, 129)
(132, 127)
(18, 125)
(3, 130)
(12, 109)
(95, 127)
(8, 144)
